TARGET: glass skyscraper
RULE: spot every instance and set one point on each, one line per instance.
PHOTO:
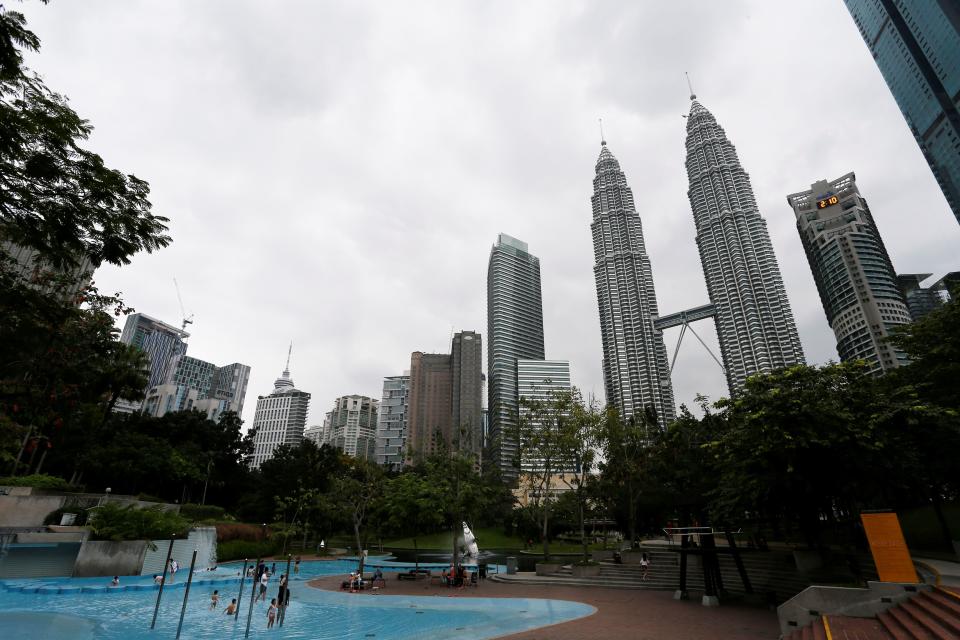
(854, 275)
(636, 375)
(755, 325)
(917, 47)
(514, 332)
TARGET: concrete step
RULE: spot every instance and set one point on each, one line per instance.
(896, 630)
(925, 621)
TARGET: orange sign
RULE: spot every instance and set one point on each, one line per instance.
(888, 547)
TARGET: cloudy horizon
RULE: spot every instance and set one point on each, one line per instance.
(335, 173)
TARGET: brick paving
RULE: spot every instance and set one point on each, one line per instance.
(628, 614)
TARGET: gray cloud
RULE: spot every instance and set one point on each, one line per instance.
(335, 173)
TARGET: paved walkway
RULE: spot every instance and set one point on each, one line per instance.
(637, 615)
(949, 571)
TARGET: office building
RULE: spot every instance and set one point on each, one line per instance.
(920, 299)
(280, 418)
(514, 331)
(445, 399)
(755, 325)
(164, 345)
(916, 45)
(636, 374)
(352, 426)
(198, 385)
(539, 381)
(854, 275)
(392, 422)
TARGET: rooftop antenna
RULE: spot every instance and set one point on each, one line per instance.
(183, 313)
(603, 139)
(693, 96)
(286, 369)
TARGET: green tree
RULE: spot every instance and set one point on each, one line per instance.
(933, 344)
(624, 445)
(355, 494)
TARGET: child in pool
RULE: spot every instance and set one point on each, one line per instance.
(215, 599)
(272, 613)
(231, 608)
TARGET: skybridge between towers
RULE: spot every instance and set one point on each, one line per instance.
(683, 319)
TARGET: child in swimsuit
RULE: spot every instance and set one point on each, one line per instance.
(215, 599)
(232, 607)
(272, 613)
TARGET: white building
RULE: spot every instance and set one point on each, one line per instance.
(392, 421)
(353, 426)
(280, 418)
(539, 380)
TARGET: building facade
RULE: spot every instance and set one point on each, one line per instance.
(280, 419)
(636, 374)
(920, 299)
(466, 386)
(197, 385)
(755, 325)
(514, 331)
(392, 423)
(854, 275)
(163, 344)
(539, 381)
(352, 426)
(916, 45)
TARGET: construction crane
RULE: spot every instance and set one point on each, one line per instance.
(186, 319)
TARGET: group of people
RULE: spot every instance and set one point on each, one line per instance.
(456, 576)
(355, 581)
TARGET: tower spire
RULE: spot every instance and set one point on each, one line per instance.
(693, 96)
(286, 369)
(603, 139)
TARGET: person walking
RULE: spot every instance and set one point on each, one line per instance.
(644, 566)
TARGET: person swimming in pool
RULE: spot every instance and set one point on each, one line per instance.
(231, 608)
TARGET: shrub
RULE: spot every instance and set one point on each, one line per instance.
(38, 481)
(111, 521)
(198, 512)
(240, 549)
(227, 531)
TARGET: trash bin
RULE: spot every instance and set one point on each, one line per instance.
(511, 565)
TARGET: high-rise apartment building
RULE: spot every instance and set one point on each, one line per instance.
(163, 344)
(539, 381)
(755, 325)
(636, 374)
(916, 45)
(392, 425)
(445, 404)
(280, 418)
(353, 426)
(514, 331)
(854, 275)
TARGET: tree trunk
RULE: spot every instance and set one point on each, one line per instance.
(583, 532)
(631, 514)
(545, 530)
(356, 536)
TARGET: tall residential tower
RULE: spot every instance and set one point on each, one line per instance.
(514, 331)
(917, 47)
(854, 275)
(636, 375)
(280, 418)
(755, 326)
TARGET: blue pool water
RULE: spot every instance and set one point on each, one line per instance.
(85, 608)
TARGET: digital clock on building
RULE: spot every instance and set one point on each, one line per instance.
(827, 202)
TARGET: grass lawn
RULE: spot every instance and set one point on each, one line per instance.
(493, 538)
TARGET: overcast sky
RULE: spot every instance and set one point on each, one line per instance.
(336, 173)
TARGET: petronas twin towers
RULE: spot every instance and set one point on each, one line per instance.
(755, 326)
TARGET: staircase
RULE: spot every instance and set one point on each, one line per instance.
(772, 574)
(930, 615)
